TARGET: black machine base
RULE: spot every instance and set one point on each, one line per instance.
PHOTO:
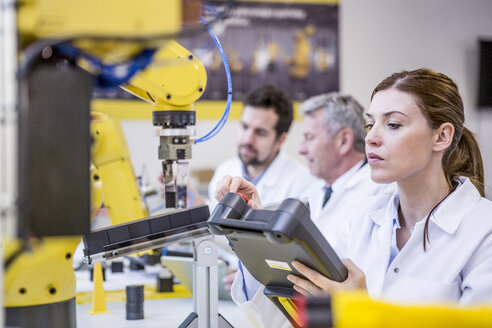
(174, 118)
(54, 315)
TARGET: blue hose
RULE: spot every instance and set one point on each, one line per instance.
(227, 110)
(110, 76)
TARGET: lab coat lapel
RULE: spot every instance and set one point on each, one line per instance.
(376, 271)
(452, 211)
(315, 197)
(359, 175)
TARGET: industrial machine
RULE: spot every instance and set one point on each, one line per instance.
(128, 238)
(53, 54)
(172, 88)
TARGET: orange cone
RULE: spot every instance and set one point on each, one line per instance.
(98, 297)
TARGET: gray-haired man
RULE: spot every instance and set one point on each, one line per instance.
(334, 133)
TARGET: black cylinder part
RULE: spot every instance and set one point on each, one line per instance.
(134, 302)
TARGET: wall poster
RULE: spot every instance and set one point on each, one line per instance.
(293, 46)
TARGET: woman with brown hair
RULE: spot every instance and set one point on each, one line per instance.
(431, 241)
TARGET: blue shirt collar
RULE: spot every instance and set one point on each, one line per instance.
(247, 177)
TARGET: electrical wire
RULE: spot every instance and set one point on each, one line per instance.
(227, 110)
(110, 76)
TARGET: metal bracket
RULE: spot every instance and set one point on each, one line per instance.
(205, 287)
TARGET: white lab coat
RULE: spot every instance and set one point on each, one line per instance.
(284, 178)
(349, 191)
(457, 265)
(259, 310)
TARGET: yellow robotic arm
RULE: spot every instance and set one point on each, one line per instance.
(174, 80)
(39, 279)
(172, 83)
(111, 157)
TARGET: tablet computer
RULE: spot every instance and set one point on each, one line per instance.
(267, 241)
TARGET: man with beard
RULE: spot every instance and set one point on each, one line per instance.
(265, 121)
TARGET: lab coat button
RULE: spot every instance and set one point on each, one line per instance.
(396, 270)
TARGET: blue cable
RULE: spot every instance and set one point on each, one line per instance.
(108, 78)
(227, 110)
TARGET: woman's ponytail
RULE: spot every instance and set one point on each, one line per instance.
(465, 160)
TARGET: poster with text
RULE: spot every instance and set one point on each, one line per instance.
(293, 46)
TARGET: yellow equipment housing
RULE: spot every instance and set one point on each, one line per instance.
(111, 157)
(52, 19)
(354, 309)
(174, 79)
(43, 273)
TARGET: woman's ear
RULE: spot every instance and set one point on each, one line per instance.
(443, 136)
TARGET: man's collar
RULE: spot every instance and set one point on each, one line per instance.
(346, 181)
(263, 173)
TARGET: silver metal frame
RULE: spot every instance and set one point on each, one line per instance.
(205, 282)
(205, 273)
(8, 129)
(8, 119)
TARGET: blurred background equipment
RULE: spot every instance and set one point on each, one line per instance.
(54, 55)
